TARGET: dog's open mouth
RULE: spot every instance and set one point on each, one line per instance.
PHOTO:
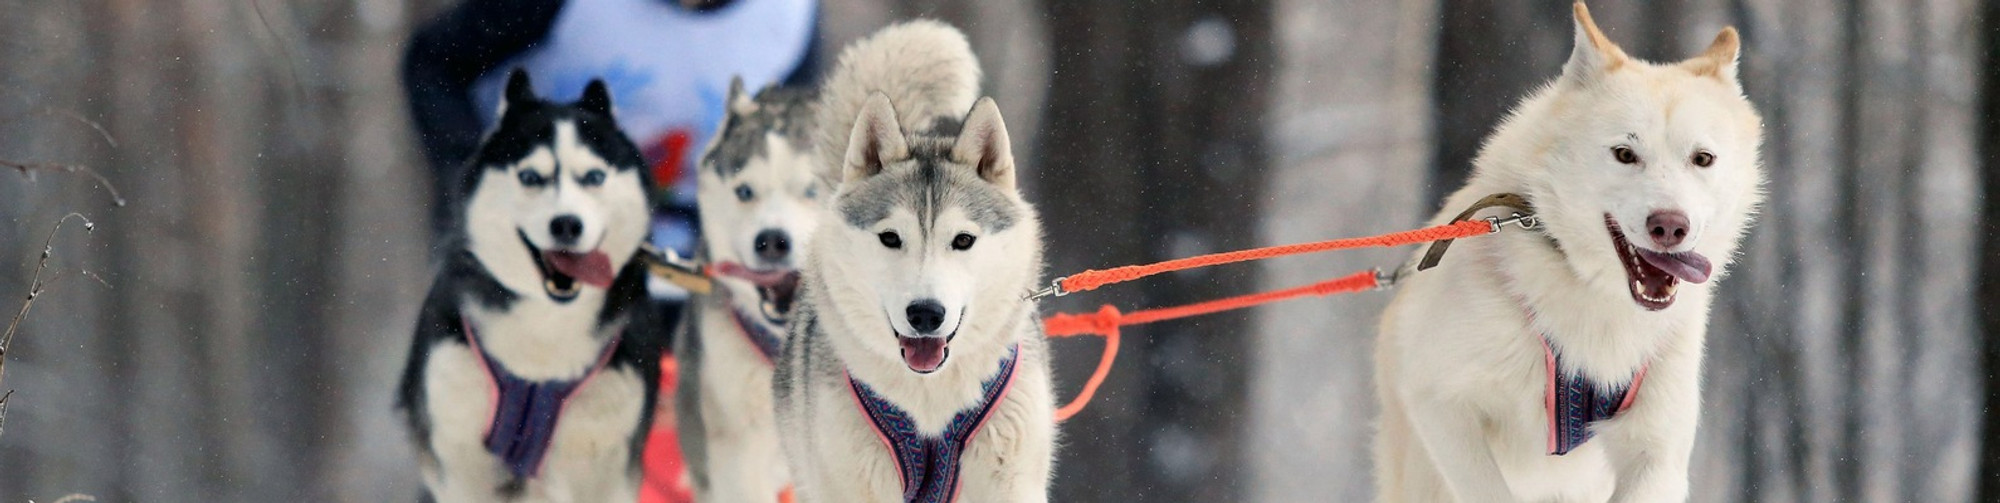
(925, 355)
(776, 288)
(1655, 276)
(564, 272)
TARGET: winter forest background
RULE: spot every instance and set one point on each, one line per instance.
(265, 276)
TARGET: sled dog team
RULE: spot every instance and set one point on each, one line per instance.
(867, 336)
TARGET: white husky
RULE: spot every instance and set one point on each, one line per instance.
(1563, 364)
(914, 369)
(760, 203)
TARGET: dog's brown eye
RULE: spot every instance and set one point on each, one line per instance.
(1703, 158)
(1624, 155)
(962, 242)
(890, 239)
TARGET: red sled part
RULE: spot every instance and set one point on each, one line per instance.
(665, 473)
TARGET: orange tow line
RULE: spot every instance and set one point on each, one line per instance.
(1107, 320)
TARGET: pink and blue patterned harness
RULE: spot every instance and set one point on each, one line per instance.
(525, 412)
(929, 465)
(1574, 402)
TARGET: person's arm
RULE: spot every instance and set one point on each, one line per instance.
(448, 54)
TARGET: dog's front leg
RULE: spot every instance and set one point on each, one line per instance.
(740, 469)
(1650, 444)
(1455, 438)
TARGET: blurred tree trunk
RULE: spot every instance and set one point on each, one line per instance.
(1988, 247)
(1152, 148)
(266, 272)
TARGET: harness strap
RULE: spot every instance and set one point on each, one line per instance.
(1506, 200)
(768, 344)
(929, 465)
(1574, 402)
(523, 420)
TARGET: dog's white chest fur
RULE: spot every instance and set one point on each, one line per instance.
(591, 445)
(1006, 460)
(1462, 370)
(744, 459)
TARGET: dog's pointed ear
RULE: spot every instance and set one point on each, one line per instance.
(739, 99)
(519, 90)
(1719, 60)
(877, 140)
(1594, 55)
(982, 143)
(596, 98)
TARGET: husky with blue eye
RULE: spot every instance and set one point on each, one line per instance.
(760, 203)
(915, 370)
(535, 366)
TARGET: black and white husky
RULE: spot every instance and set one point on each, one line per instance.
(914, 370)
(533, 376)
(760, 203)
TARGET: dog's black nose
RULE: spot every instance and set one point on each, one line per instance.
(925, 315)
(566, 229)
(773, 245)
(1667, 228)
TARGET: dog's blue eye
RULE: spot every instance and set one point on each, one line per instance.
(592, 179)
(891, 240)
(962, 242)
(744, 194)
(812, 192)
(531, 179)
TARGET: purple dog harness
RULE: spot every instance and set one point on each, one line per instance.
(1574, 402)
(929, 465)
(767, 343)
(525, 412)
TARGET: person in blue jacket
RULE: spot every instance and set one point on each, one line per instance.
(668, 64)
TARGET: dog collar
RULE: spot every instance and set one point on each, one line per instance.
(928, 465)
(525, 412)
(767, 343)
(1574, 401)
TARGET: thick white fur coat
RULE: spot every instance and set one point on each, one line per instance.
(1460, 361)
(840, 328)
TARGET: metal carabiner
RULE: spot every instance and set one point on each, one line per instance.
(1054, 289)
(1527, 222)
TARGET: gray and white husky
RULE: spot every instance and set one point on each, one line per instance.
(1564, 364)
(534, 369)
(760, 203)
(914, 369)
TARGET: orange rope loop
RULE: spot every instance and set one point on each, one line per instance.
(1103, 322)
(1091, 279)
(1108, 319)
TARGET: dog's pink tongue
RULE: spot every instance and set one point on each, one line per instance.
(592, 268)
(1688, 266)
(923, 354)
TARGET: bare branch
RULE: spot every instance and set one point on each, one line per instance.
(3, 410)
(28, 169)
(37, 287)
(284, 50)
(76, 497)
(101, 132)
